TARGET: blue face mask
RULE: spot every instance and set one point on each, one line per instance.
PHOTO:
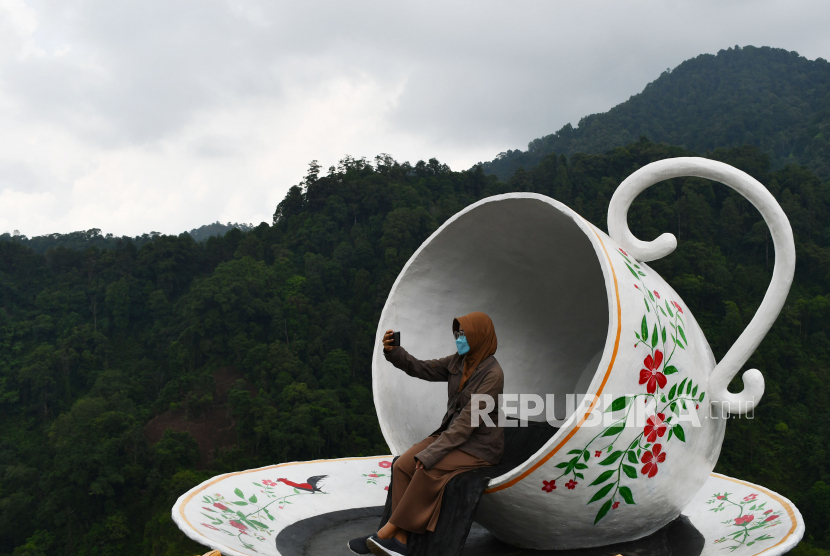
(462, 345)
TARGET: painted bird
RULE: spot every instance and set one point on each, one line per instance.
(309, 486)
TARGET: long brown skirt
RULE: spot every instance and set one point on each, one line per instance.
(417, 493)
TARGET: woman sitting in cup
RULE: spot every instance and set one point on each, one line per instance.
(420, 474)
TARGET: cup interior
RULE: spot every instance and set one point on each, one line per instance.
(529, 263)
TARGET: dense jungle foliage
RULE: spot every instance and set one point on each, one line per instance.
(768, 97)
(109, 357)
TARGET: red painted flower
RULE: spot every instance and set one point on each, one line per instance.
(385, 464)
(386, 488)
(615, 505)
(623, 252)
(549, 485)
(651, 458)
(373, 475)
(744, 519)
(650, 376)
(721, 497)
(220, 506)
(676, 306)
(750, 498)
(767, 512)
(571, 484)
(655, 427)
(210, 527)
(770, 518)
(636, 286)
(657, 295)
(697, 406)
(240, 526)
(597, 453)
(269, 482)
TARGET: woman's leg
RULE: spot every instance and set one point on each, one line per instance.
(402, 472)
(418, 509)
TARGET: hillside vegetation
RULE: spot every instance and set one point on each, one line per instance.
(767, 97)
(110, 357)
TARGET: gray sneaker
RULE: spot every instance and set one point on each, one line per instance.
(386, 547)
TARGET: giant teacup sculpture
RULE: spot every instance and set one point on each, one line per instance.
(579, 312)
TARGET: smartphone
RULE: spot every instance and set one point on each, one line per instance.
(396, 338)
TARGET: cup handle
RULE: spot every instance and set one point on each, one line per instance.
(782, 275)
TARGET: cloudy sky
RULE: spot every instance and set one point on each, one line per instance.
(163, 115)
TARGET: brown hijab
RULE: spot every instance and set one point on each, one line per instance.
(481, 335)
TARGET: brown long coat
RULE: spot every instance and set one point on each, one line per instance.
(456, 430)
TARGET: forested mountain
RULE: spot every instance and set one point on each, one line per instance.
(768, 97)
(217, 229)
(80, 241)
(129, 375)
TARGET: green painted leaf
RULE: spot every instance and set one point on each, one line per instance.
(668, 308)
(603, 477)
(602, 511)
(572, 452)
(670, 370)
(678, 432)
(700, 399)
(612, 458)
(252, 499)
(673, 408)
(240, 503)
(619, 403)
(258, 523)
(672, 391)
(581, 466)
(632, 457)
(562, 465)
(239, 493)
(689, 387)
(669, 436)
(680, 388)
(614, 429)
(641, 273)
(585, 455)
(651, 296)
(602, 493)
(694, 391)
(663, 335)
(634, 272)
(580, 475)
(654, 337)
(644, 329)
(637, 335)
(625, 492)
(630, 471)
(661, 310)
(682, 334)
(648, 309)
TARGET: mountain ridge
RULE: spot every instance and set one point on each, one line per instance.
(768, 97)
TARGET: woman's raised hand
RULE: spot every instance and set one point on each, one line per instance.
(387, 341)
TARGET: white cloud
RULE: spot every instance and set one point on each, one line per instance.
(156, 115)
